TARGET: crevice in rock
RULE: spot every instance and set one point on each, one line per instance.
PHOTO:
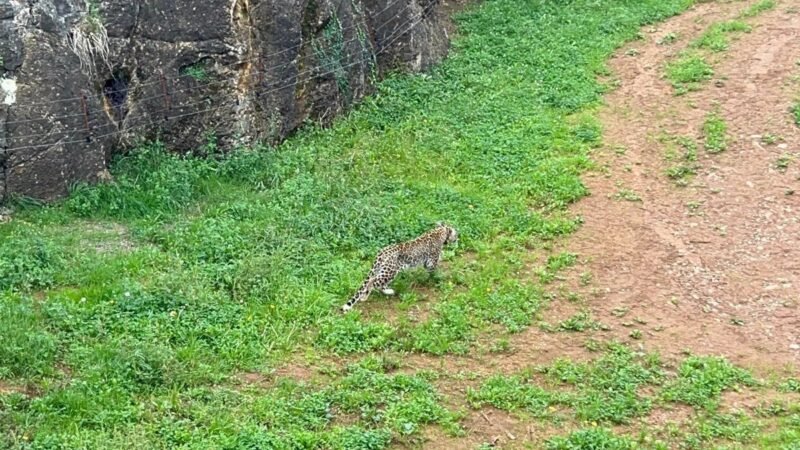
(115, 94)
(250, 78)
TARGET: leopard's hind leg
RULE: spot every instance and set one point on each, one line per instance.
(367, 286)
(361, 294)
(379, 278)
(385, 277)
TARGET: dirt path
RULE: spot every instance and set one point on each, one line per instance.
(713, 267)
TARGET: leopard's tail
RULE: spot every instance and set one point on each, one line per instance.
(361, 294)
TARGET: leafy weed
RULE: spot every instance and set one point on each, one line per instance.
(688, 71)
(715, 133)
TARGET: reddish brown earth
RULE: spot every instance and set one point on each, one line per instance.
(715, 264)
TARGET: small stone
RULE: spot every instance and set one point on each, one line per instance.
(794, 346)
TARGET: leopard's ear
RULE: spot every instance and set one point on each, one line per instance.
(439, 223)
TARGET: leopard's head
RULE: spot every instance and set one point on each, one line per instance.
(451, 235)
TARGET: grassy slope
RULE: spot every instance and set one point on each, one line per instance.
(125, 306)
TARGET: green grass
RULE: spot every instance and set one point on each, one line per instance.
(555, 264)
(770, 139)
(592, 438)
(688, 71)
(627, 195)
(715, 133)
(701, 381)
(791, 385)
(129, 307)
(26, 351)
(681, 152)
(736, 427)
(669, 38)
(364, 408)
(783, 162)
(795, 111)
(607, 387)
(758, 8)
(579, 322)
(513, 393)
(716, 38)
(605, 390)
(691, 68)
(785, 436)
(622, 385)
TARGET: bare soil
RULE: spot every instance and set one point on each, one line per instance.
(715, 265)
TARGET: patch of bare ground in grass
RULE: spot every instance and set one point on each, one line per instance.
(753, 401)
(107, 237)
(295, 370)
(27, 389)
(8, 388)
(711, 267)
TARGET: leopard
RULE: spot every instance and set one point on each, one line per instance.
(425, 251)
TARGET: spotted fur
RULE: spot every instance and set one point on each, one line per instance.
(425, 251)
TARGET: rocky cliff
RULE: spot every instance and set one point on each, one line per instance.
(81, 80)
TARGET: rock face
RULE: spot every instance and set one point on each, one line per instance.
(80, 80)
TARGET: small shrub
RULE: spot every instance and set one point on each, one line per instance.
(668, 38)
(783, 161)
(196, 72)
(681, 171)
(402, 403)
(351, 335)
(555, 264)
(579, 322)
(627, 195)
(736, 427)
(791, 385)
